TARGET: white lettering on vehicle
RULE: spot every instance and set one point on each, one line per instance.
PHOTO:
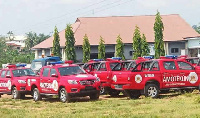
(192, 78)
(53, 85)
(8, 84)
(149, 75)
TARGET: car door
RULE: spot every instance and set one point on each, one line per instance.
(8, 80)
(102, 72)
(45, 82)
(188, 73)
(169, 74)
(54, 80)
(3, 81)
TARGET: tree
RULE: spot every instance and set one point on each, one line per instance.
(120, 48)
(158, 31)
(101, 49)
(33, 39)
(56, 43)
(137, 43)
(196, 28)
(86, 49)
(145, 46)
(10, 35)
(70, 44)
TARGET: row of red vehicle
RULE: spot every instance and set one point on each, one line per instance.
(64, 80)
(134, 77)
(149, 77)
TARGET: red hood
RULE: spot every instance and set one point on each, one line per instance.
(79, 77)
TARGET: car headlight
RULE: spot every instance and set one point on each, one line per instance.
(97, 79)
(72, 82)
(22, 81)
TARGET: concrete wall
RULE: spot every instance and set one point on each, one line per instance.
(179, 45)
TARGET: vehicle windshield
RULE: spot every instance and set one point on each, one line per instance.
(36, 65)
(70, 70)
(23, 72)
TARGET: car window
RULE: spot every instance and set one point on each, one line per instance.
(8, 73)
(53, 71)
(45, 72)
(102, 67)
(169, 65)
(131, 66)
(184, 66)
(23, 72)
(3, 74)
(112, 65)
(155, 67)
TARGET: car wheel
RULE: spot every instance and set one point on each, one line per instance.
(36, 95)
(133, 94)
(151, 90)
(113, 93)
(64, 96)
(15, 93)
(95, 96)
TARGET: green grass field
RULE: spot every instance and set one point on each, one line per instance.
(168, 105)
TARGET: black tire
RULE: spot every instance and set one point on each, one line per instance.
(15, 93)
(151, 90)
(113, 93)
(133, 94)
(36, 95)
(0, 95)
(95, 96)
(64, 96)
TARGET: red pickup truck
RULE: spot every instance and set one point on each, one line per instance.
(13, 80)
(64, 80)
(106, 69)
(151, 77)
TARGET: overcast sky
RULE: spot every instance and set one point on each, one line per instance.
(41, 16)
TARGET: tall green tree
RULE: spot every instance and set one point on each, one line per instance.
(70, 44)
(137, 43)
(158, 32)
(86, 49)
(119, 48)
(145, 46)
(101, 49)
(56, 43)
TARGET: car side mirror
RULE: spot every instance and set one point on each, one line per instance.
(54, 75)
(8, 76)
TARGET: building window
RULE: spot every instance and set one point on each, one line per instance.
(174, 50)
(131, 53)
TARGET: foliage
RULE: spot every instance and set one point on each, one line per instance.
(34, 39)
(11, 55)
(158, 31)
(56, 43)
(120, 48)
(137, 43)
(86, 49)
(145, 46)
(101, 49)
(70, 44)
(196, 28)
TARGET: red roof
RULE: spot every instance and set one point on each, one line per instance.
(175, 29)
